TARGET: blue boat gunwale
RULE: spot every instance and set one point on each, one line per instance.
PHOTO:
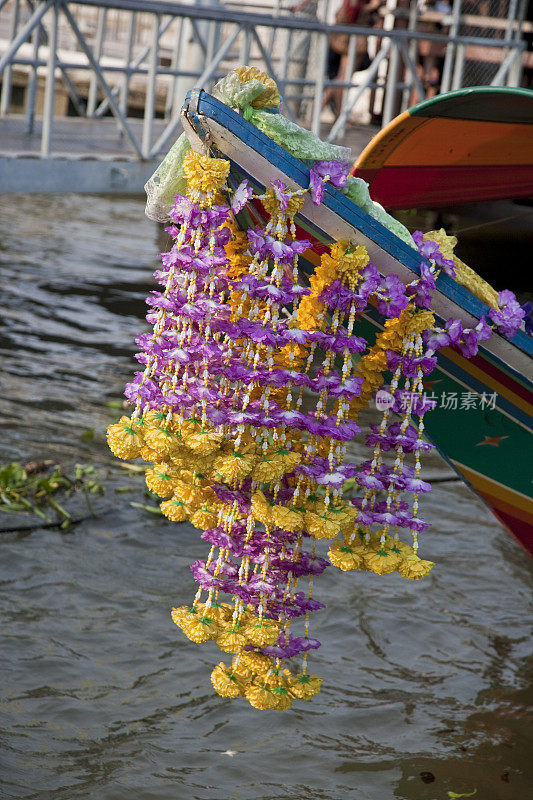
(208, 106)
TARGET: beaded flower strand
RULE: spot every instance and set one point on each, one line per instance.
(251, 388)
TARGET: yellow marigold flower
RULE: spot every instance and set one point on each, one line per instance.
(278, 677)
(188, 493)
(183, 615)
(162, 440)
(204, 442)
(203, 173)
(161, 479)
(265, 632)
(374, 361)
(269, 470)
(346, 514)
(203, 519)
(233, 467)
(232, 640)
(180, 457)
(248, 616)
(341, 513)
(184, 491)
(414, 567)
(321, 527)
(420, 322)
(290, 458)
(224, 681)
(287, 519)
(270, 97)
(202, 464)
(185, 428)
(200, 629)
(260, 698)
(204, 497)
(305, 686)
(381, 561)
(399, 547)
(282, 701)
(272, 206)
(219, 612)
(350, 262)
(124, 439)
(155, 419)
(249, 663)
(308, 312)
(150, 455)
(174, 510)
(261, 509)
(358, 539)
(345, 557)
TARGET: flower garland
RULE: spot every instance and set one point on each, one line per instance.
(248, 396)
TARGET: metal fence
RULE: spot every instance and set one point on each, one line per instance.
(125, 57)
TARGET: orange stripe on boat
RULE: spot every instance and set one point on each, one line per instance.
(500, 495)
(458, 142)
(488, 380)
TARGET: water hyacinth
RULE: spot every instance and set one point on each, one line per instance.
(247, 396)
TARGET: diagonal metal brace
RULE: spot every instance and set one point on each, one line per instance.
(121, 119)
(24, 32)
(174, 124)
(266, 58)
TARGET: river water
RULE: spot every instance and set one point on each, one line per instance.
(426, 684)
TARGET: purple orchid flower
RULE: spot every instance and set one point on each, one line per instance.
(392, 300)
(334, 171)
(281, 193)
(243, 193)
(432, 252)
(509, 318)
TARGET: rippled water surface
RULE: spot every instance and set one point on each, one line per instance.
(426, 685)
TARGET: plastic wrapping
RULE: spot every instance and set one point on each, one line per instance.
(356, 190)
(299, 142)
(167, 181)
(256, 97)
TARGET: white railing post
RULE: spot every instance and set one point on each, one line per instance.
(98, 47)
(319, 84)
(413, 52)
(32, 83)
(391, 83)
(458, 69)
(49, 91)
(151, 82)
(244, 50)
(5, 97)
(350, 69)
(450, 48)
(124, 89)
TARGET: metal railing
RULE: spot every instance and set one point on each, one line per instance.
(220, 37)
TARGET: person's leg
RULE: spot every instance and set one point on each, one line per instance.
(333, 65)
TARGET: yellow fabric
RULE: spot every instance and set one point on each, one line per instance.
(270, 97)
(464, 274)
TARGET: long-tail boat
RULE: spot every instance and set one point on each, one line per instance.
(482, 424)
(467, 146)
